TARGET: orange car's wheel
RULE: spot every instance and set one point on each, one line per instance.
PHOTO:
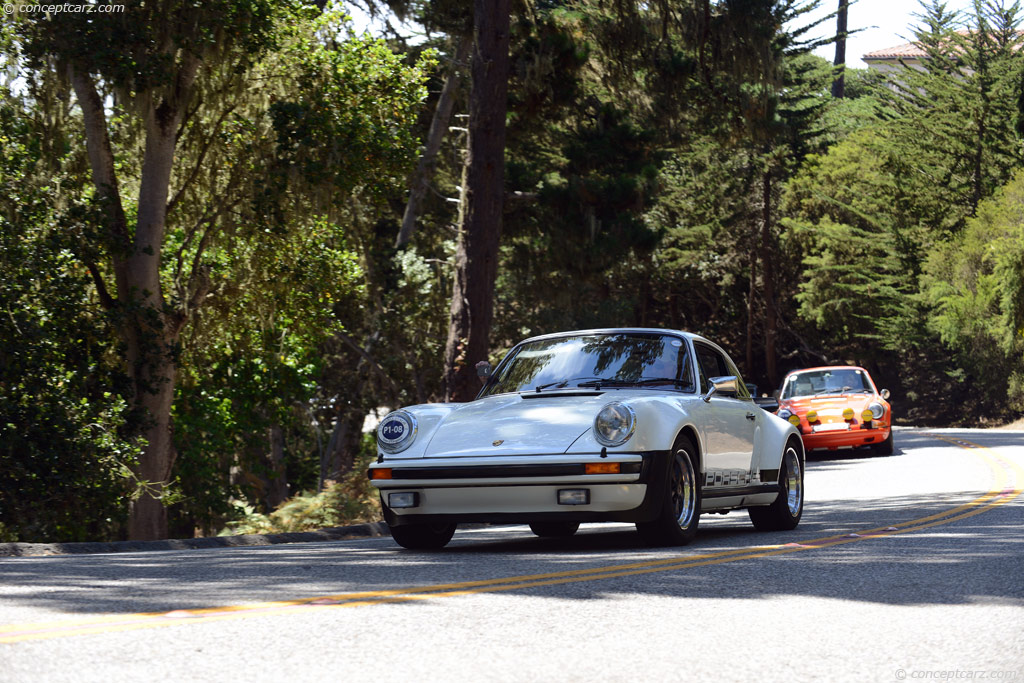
(884, 448)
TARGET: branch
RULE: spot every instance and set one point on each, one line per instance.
(101, 288)
(101, 155)
(438, 127)
(369, 359)
(199, 161)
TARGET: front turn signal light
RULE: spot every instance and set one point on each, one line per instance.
(602, 468)
(381, 473)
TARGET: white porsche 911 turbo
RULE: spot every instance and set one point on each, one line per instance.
(636, 425)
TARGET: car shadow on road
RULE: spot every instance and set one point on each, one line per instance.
(977, 558)
(950, 548)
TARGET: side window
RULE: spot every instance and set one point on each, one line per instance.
(714, 364)
(709, 364)
(741, 388)
(685, 371)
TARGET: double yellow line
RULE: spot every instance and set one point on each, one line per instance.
(1007, 487)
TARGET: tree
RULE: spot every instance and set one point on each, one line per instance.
(957, 116)
(158, 82)
(476, 260)
(975, 284)
(842, 16)
(65, 430)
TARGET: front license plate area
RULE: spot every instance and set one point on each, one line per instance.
(832, 427)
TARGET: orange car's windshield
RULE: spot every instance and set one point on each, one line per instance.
(821, 382)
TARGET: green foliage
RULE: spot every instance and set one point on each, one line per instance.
(295, 133)
(859, 253)
(643, 142)
(256, 360)
(956, 118)
(975, 283)
(348, 119)
(350, 501)
(65, 449)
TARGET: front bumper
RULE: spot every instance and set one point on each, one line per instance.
(523, 489)
(855, 436)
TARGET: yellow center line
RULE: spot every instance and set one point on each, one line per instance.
(1006, 473)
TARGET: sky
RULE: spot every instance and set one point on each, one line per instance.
(886, 23)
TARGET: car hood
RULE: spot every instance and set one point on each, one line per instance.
(512, 425)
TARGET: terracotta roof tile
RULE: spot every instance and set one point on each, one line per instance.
(899, 51)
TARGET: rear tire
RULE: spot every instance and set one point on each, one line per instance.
(554, 529)
(677, 521)
(422, 536)
(784, 514)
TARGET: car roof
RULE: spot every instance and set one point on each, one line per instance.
(619, 330)
(827, 367)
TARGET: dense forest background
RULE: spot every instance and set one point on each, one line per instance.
(231, 230)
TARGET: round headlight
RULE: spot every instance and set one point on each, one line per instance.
(848, 414)
(396, 431)
(877, 411)
(784, 414)
(812, 415)
(614, 424)
(794, 420)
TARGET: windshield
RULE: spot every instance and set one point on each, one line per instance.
(819, 382)
(605, 360)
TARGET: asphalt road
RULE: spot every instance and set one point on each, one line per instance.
(908, 567)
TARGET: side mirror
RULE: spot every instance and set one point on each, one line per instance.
(721, 385)
(483, 369)
(884, 393)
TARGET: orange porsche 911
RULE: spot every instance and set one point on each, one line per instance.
(837, 407)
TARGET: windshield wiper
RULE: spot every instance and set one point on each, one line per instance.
(561, 383)
(833, 391)
(541, 387)
(629, 382)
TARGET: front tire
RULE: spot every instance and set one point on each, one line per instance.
(554, 529)
(784, 514)
(677, 521)
(884, 448)
(422, 536)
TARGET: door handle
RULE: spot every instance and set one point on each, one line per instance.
(750, 416)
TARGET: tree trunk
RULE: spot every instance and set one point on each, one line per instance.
(839, 84)
(152, 331)
(476, 259)
(339, 457)
(276, 479)
(154, 392)
(751, 292)
(149, 332)
(438, 127)
(768, 270)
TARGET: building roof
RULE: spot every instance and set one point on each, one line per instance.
(904, 51)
